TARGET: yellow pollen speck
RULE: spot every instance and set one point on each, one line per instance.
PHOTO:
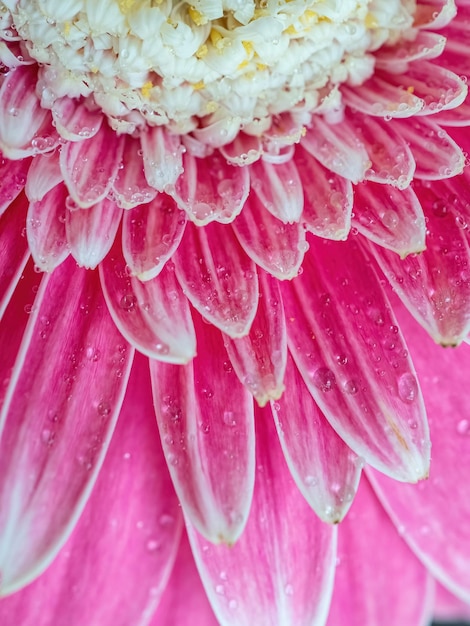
(303, 132)
(201, 53)
(248, 47)
(216, 38)
(410, 89)
(261, 66)
(198, 18)
(199, 85)
(371, 21)
(211, 106)
(146, 89)
(291, 30)
(126, 6)
(309, 18)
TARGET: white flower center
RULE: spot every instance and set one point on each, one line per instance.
(192, 64)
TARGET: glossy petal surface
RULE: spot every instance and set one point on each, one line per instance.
(116, 564)
(63, 398)
(290, 574)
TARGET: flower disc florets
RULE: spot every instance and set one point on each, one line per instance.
(219, 65)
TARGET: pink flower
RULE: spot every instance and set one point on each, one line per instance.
(226, 192)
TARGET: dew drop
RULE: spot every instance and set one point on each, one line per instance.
(324, 379)
(128, 302)
(463, 427)
(407, 388)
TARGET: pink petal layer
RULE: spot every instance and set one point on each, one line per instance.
(151, 233)
(206, 422)
(184, 597)
(89, 167)
(276, 247)
(43, 175)
(153, 316)
(211, 189)
(218, 278)
(449, 608)
(328, 198)
(162, 157)
(115, 566)
(434, 526)
(12, 180)
(279, 189)
(391, 160)
(346, 343)
(45, 229)
(130, 187)
(391, 218)
(378, 579)
(435, 285)
(63, 398)
(272, 575)
(310, 445)
(91, 232)
(74, 120)
(337, 148)
(14, 252)
(21, 114)
(259, 359)
(436, 154)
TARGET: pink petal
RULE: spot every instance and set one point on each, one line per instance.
(310, 445)
(345, 341)
(91, 232)
(218, 278)
(382, 98)
(426, 45)
(436, 154)
(448, 607)
(439, 88)
(434, 526)
(206, 423)
(434, 14)
(43, 175)
(279, 189)
(272, 575)
(89, 167)
(337, 148)
(16, 309)
(392, 162)
(13, 175)
(259, 359)
(184, 597)
(21, 114)
(244, 149)
(390, 217)
(117, 562)
(162, 156)
(328, 198)
(130, 185)
(151, 233)
(285, 130)
(153, 316)
(276, 247)
(211, 189)
(14, 251)
(63, 399)
(435, 285)
(45, 229)
(378, 579)
(74, 120)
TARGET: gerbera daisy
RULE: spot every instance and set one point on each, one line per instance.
(225, 191)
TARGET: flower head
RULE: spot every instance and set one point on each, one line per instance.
(204, 206)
